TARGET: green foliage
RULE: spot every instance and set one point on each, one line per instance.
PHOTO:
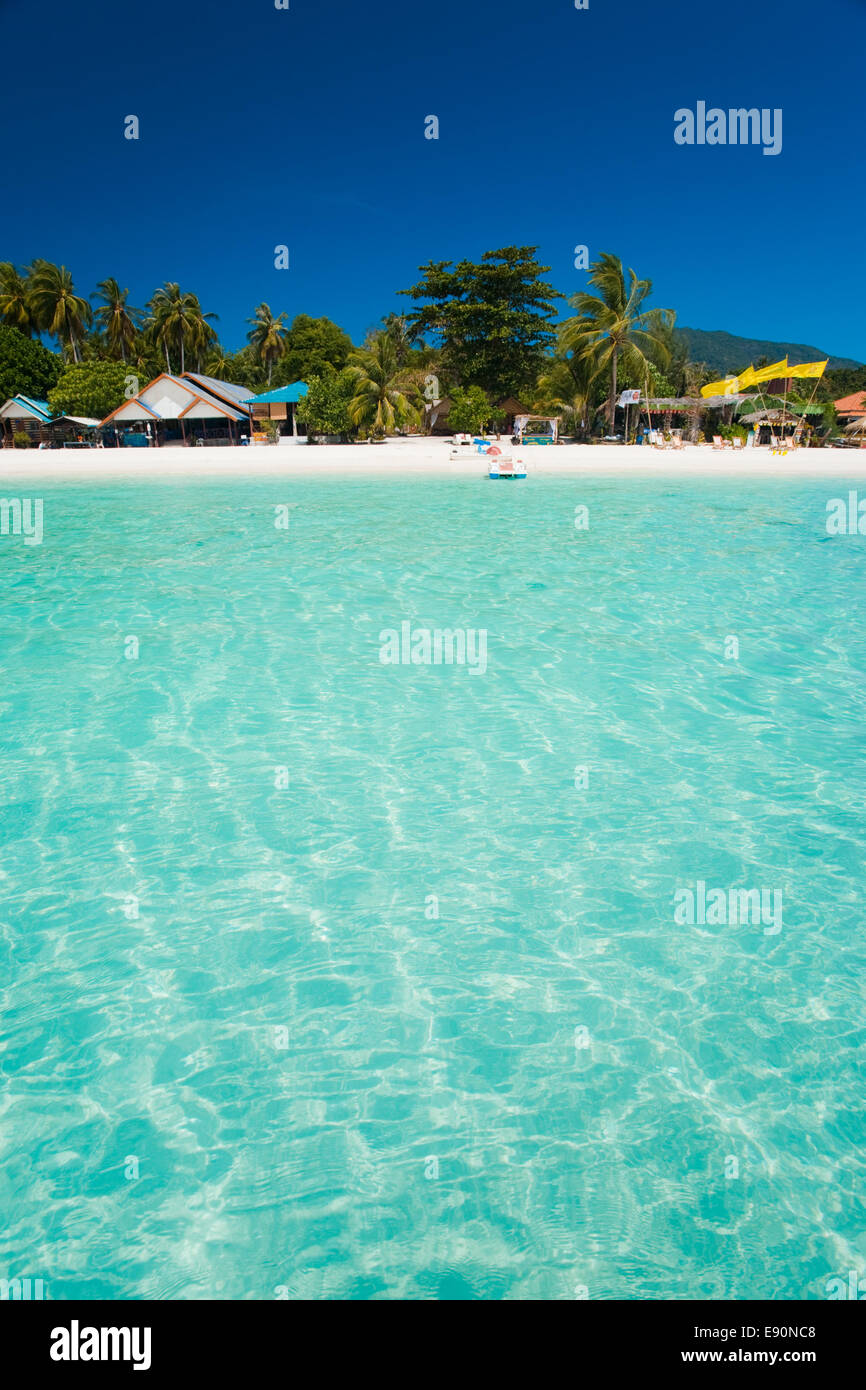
(15, 308)
(266, 337)
(56, 308)
(614, 328)
(846, 381)
(470, 410)
(118, 322)
(26, 367)
(383, 396)
(239, 368)
(325, 408)
(92, 389)
(21, 439)
(180, 327)
(311, 347)
(493, 318)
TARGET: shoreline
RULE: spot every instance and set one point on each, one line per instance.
(424, 458)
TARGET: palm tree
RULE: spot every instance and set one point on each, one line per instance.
(403, 335)
(379, 389)
(613, 326)
(570, 388)
(55, 306)
(15, 308)
(266, 337)
(177, 321)
(116, 319)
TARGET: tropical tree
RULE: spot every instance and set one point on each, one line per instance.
(92, 389)
(403, 335)
(16, 310)
(381, 395)
(311, 347)
(325, 407)
(266, 337)
(116, 319)
(493, 319)
(56, 308)
(470, 410)
(571, 389)
(615, 325)
(27, 368)
(177, 323)
(242, 368)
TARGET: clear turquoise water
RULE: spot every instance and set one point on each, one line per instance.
(149, 1043)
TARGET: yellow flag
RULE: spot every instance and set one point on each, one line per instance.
(728, 387)
(808, 369)
(747, 378)
(771, 373)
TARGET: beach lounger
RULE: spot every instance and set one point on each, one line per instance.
(737, 442)
(718, 442)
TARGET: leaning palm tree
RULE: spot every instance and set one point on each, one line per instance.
(55, 306)
(176, 321)
(15, 307)
(381, 394)
(266, 337)
(614, 326)
(116, 319)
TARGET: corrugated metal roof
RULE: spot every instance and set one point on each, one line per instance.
(281, 395)
(40, 408)
(227, 389)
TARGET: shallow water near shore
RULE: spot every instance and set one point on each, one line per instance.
(323, 977)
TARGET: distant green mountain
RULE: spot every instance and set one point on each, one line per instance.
(725, 352)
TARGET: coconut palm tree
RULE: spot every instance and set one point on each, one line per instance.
(266, 337)
(614, 326)
(381, 394)
(176, 321)
(403, 335)
(56, 308)
(15, 308)
(116, 319)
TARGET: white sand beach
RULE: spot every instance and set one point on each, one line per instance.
(413, 457)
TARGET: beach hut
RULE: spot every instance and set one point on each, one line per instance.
(73, 430)
(513, 410)
(280, 404)
(186, 409)
(23, 415)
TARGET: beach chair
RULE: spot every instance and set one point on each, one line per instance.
(718, 442)
(659, 440)
(737, 442)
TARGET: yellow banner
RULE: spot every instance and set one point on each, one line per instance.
(809, 369)
(771, 373)
(728, 387)
(747, 378)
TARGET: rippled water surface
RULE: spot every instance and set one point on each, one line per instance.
(413, 1018)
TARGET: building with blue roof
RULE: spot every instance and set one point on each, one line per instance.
(23, 414)
(280, 404)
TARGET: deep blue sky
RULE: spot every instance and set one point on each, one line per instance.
(306, 127)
